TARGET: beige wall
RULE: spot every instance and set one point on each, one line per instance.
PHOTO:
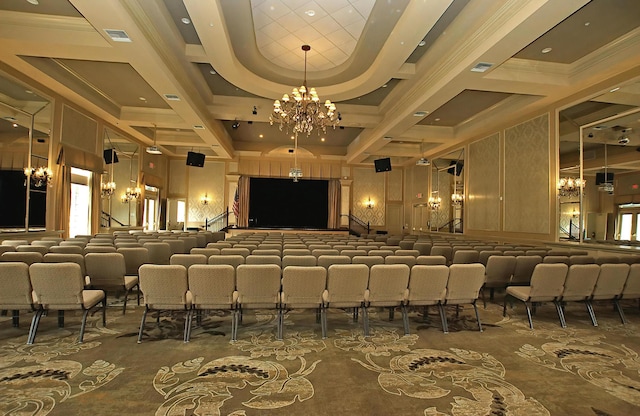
(209, 179)
(369, 184)
(483, 183)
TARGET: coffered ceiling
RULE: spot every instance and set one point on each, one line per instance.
(400, 71)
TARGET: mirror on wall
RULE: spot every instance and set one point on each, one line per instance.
(25, 125)
(606, 130)
(119, 186)
(447, 196)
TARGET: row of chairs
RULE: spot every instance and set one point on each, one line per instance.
(559, 284)
(42, 287)
(267, 286)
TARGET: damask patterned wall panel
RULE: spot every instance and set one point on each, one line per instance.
(210, 180)
(483, 193)
(394, 178)
(177, 179)
(369, 184)
(527, 172)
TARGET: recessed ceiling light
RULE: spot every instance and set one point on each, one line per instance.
(384, 85)
(28, 91)
(213, 72)
(546, 50)
(310, 13)
(15, 125)
(587, 23)
(185, 20)
(614, 89)
(34, 2)
(142, 99)
(292, 137)
(420, 113)
(437, 119)
(261, 136)
(322, 139)
(422, 43)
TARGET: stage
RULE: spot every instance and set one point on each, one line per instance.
(233, 231)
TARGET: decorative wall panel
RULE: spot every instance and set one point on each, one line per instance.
(280, 168)
(369, 184)
(177, 179)
(527, 173)
(207, 180)
(80, 131)
(394, 177)
(482, 203)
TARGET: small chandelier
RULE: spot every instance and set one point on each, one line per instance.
(457, 198)
(303, 111)
(570, 187)
(40, 176)
(131, 194)
(107, 189)
(434, 201)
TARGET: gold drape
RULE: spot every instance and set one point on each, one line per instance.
(333, 220)
(243, 201)
(62, 186)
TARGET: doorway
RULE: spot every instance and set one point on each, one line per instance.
(80, 212)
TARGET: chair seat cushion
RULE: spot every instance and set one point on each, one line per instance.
(130, 281)
(91, 298)
(519, 292)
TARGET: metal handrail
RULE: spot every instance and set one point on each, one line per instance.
(106, 219)
(217, 223)
(353, 221)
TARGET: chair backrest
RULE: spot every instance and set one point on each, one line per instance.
(14, 243)
(57, 285)
(483, 256)
(176, 246)
(393, 240)
(70, 249)
(632, 285)
(248, 245)
(303, 286)
(407, 252)
(607, 259)
(66, 258)
(556, 259)
(188, 260)
(558, 252)
(27, 248)
(105, 269)
(307, 260)
(380, 252)
(445, 251)
(263, 259)
(353, 252)
(327, 260)
(398, 259)
(127, 244)
(428, 284)
(367, 260)
(324, 252)
(164, 286)
(388, 247)
(499, 271)
(407, 245)
(190, 242)
(296, 251)
(134, 257)
(347, 284)
(514, 253)
(423, 247)
(388, 284)
(242, 251)
(258, 285)
(580, 281)
(4, 249)
(465, 281)
(206, 251)
(524, 269)
(547, 281)
(99, 249)
(267, 252)
(212, 286)
(536, 252)
(220, 245)
(15, 286)
(159, 252)
(231, 259)
(22, 256)
(431, 260)
(44, 243)
(611, 281)
(581, 259)
(465, 256)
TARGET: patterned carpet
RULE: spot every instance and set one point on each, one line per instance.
(505, 370)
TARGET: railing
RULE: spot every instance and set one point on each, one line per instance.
(106, 220)
(573, 233)
(217, 223)
(453, 226)
(357, 226)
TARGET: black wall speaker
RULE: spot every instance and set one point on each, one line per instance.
(601, 178)
(110, 156)
(382, 165)
(195, 159)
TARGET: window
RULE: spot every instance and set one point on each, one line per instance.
(80, 212)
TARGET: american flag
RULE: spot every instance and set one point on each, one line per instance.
(236, 204)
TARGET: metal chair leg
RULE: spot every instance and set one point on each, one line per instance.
(323, 321)
(620, 312)
(592, 314)
(443, 318)
(365, 320)
(526, 305)
(563, 323)
(475, 307)
(35, 321)
(405, 319)
(144, 317)
(84, 322)
(15, 319)
(187, 324)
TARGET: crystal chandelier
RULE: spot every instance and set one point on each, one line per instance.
(107, 189)
(457, 198)
(570, 187)
(434, 201)
(40, 176)
(303, 111)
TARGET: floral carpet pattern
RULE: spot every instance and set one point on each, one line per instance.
(507, 369)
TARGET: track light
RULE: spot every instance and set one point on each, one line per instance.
(235, 125)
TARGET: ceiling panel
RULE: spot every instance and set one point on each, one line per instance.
(463, 106)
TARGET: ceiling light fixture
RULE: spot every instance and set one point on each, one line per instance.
(154, 150)
(546, 50)
(34, 2)
(422, 43)
(303, 111)
(185, 20)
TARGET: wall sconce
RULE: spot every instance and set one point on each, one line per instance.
(369, 203)
(205, 199)
(457, 198)
(131, 194)
(434, 201)
(40, 176)
(107, 189)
